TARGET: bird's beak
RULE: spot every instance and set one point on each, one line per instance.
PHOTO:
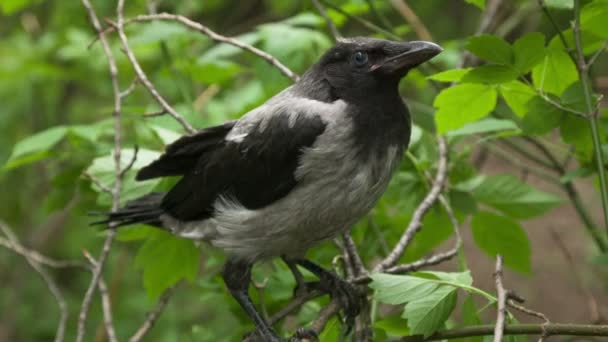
(408, 55)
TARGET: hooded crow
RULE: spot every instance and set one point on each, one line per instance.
(297, 170)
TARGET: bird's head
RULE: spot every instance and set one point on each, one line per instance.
(361, 66)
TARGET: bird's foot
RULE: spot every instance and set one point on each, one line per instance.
(349, 298)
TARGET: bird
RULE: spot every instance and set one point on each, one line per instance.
(301, 168)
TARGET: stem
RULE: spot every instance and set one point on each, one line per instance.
(583, 71)
(515, 329)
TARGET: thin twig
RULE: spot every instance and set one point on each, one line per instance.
(583, 73)
(129, 166)
(98, 269)
(412, 19)
(502, 301)
(215, 37)
(330, 24)
(143, 78)
(553, 329)
(559, 31)
(325, 315)
(39, 258)
(15, 245)
(352, 255)
(130, 89)
(294, 305)
(598, 53)
(102, 187)
(153, 315)
(439, 257)
(416, 222)
(106, 303)
(154, 114)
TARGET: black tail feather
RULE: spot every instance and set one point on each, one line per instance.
(145, 209)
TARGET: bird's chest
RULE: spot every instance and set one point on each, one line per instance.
(341, 181)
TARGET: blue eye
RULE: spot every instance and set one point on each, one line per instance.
(360, 58)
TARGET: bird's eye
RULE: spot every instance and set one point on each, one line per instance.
(360, 58)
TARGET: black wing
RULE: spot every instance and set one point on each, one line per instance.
(256, 171)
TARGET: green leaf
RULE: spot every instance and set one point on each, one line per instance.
(484, 126)
(495, 234)
(541, 116)
(393, 325)
(560, 4)
(398, 289)
(491, 48)
(428, 314)
(490, 73)
(517, 95)
(38, 144)
(555, 73)
(165, 260)
(514, 197)
(529, 51)
(13, 6)
(481, 4)
(469, 317)
(453, 75)
(430, 297)
(102, 169)
(462, 104)
(594, 17)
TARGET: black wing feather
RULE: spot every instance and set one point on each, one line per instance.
(183, 155)
(256, 171)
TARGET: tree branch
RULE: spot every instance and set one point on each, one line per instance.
(416, 222)
(412, 19)
(502, 301)
(153, 315)
(330, 24)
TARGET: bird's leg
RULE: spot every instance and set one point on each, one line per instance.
(237, 276)
(331, 283)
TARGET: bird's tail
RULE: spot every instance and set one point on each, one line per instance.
(145, 210)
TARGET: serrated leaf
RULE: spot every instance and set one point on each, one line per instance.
(165, 260)
(481, 4)
(491, 48)
(517, 95)
(514, 197)
(529, 50)
(427, 314)
(38, 144)
(490, 73)
(560, 4)
(484, 126)
(398, 289)
(462, 104)
(453, 75)
(495, 234)
(555, 73)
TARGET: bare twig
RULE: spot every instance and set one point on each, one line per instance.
(129, 166)
(143, 78)
(330, 24)
(437, 258)
(193, 25)
(15, 245)
(130, 89)
(154, 114)
(295, 304)
(412, 19)
(502, 301)
(352, 256)
(598, 53)
(39, 258)
(98, 183)
(560, 33)
(98, 269)
(325, 315)
(153, 315)
(106, 303)
(416, 222)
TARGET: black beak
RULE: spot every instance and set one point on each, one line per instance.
(408, 55)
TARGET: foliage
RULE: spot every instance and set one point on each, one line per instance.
(57, 135)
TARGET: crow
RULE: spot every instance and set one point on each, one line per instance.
(301, 168)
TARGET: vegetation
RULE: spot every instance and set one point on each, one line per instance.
(518, 80)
